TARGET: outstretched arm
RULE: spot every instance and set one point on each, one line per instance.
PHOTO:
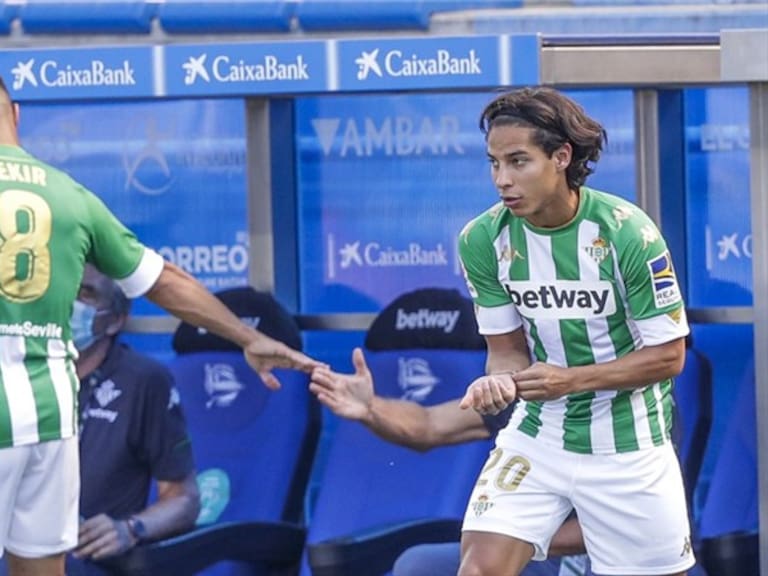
(398, 421)
(186, 298)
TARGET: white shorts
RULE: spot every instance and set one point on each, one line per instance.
(39, 492)
(631, 506)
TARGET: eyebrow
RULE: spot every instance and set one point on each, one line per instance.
(512, 154)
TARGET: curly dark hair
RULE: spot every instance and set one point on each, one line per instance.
(555, 120)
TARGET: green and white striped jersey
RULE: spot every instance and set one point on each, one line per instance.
(588, 292)
(50, 226)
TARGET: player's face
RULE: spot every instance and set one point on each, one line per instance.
(531, 184)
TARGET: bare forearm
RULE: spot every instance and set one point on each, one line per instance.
(184, 297)
(636, 369)
(171, 514)
(423, 428)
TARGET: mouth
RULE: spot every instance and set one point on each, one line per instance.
(512, 201)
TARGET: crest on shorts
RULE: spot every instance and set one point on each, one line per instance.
(482, 505)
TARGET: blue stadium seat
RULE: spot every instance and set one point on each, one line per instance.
(378, 15)
(253, 450)
(7, 15)
(232, 16)
(375, 498)
(70, 17)
(730, 518)
(318, 15)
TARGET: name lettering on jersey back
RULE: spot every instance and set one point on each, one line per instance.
(562, 299)
(19, 172)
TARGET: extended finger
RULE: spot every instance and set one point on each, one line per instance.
(269, 379)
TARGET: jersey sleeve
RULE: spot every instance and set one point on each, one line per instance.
(649, 282)
(116, 251)
(495, 312)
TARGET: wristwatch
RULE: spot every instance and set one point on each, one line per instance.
(137, 528)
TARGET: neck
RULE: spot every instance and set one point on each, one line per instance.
(92, 357)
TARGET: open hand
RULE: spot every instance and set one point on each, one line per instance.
(347, 395)
(265, 354)
(490, 394)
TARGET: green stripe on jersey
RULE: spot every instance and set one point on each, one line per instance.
(531, 423)
(6, 433)
(652, 406)
(668, 406)
(624, 433)
(44, 393)
(578, 419)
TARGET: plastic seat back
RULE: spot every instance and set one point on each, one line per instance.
(424, 347)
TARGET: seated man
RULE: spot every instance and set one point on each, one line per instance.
(410, 424)
(132, 430)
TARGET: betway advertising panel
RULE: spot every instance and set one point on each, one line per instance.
(718, 200)
(387, 182)
(173, 172)
(419, 63)
(274, 68)
(85, 73)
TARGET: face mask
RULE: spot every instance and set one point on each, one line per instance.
(81, 325)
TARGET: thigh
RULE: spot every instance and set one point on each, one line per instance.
(13, 462)
(522, 492)
(428, 560)
(633, 513)
(44, 519)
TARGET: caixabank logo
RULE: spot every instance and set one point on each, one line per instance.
(78, 73)
(419, 63)
(245, 68)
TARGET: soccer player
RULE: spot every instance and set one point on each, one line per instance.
(49, 227)
(587, 281)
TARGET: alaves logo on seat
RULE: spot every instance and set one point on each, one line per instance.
(49, 73)
(562, 299)
(426, 319)
(415, 378)
(222, 68)
(396, 63)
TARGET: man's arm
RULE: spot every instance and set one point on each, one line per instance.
(183, 296)
(176, 509)
(639, 368)
(401, 422)
(507, 356)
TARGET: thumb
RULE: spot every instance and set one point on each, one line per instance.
(269, 379)
(466, 402)
(358, 359)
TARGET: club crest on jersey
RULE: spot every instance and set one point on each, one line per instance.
(598, 251)
(665, 288)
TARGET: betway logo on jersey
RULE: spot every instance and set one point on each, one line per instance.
(52, 74)
(426, 319)
(396, 63)
(225, 69)
(562, 299)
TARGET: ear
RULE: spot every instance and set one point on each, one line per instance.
(115, 325)
(562, 156)
(16, 113)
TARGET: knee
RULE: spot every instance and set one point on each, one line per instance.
(471, 567)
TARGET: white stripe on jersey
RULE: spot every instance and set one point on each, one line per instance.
(18, 389)
(601, 427)
(144, 277)
(548, 330)
(642, 422)
(57, 365)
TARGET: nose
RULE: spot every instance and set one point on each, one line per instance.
(502, 177)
